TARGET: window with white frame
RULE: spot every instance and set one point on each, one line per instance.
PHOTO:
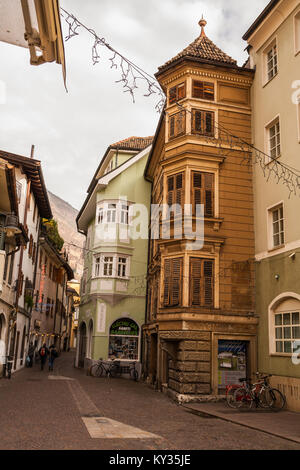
(287, 332)
(271, 59)
(274, 141)
(108, 264)
(111, 213)
(124, 216)
(277, 226)
(97, 266)
(100, 215)
(122, 267)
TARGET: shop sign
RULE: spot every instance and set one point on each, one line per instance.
(124, 327)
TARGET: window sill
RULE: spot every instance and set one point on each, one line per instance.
(279, 247)
(286, 355)
(269, 81)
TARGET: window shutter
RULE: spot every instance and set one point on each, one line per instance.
(167, 275)
(172, 94)
(170, 195)
(195, 289)
(197, 185)
(209, 194)
(172, 126)
(180, 189)
(176, 282)
(208, 283)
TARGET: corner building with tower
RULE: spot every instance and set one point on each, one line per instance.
(200, 329)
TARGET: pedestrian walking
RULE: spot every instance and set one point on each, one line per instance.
(30, 355)
(52, 356)
(43, 353)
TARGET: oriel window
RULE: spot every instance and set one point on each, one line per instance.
(177, 124)
(203, 192)
(201, 282)
(172, 282)
(108, 266)
(177, 93)
(203, 90)
(203, 122)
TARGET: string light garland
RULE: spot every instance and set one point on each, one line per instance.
(131, 73)
(271, 167)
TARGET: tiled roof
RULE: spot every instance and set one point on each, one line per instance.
(133, 143)
(202, 48)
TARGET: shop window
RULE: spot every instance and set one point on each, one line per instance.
(203, 122)
(203, 192)
(203, 90)
(287, 332)
(177, 124)
(124, 340)
(177, 93)
(201, 282)
(172, 282)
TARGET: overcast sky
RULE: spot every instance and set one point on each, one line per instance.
(71, 131)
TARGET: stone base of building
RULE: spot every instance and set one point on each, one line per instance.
(290, 387)
(184, 398)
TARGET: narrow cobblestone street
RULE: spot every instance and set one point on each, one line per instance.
(69, 410)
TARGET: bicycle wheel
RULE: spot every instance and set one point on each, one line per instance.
(230, 395)
(96, 370)
(242, 398)
(134, 375)
(115, 371)
(275, 399)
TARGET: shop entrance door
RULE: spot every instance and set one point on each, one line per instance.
(233, 363)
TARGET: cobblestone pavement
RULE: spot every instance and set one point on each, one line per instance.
(69, 410)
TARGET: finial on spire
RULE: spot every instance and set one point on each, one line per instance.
(202, 23)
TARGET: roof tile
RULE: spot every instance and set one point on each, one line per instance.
(133, 143)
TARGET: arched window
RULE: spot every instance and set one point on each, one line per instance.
(124, 340)
(284, 317)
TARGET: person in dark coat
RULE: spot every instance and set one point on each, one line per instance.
(43, 353)
(31, 350)
(52, 356)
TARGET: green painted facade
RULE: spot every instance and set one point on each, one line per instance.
(268, 288)
(106, 299)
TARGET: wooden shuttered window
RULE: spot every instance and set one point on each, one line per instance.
(203, 192)
(175, 188)
(177, 93)
(177, 124)
(203, 90)
(172, 282)
(201, 282)
(203, 122)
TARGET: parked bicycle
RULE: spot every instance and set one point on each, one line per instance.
(259, 394)
(101, 368)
